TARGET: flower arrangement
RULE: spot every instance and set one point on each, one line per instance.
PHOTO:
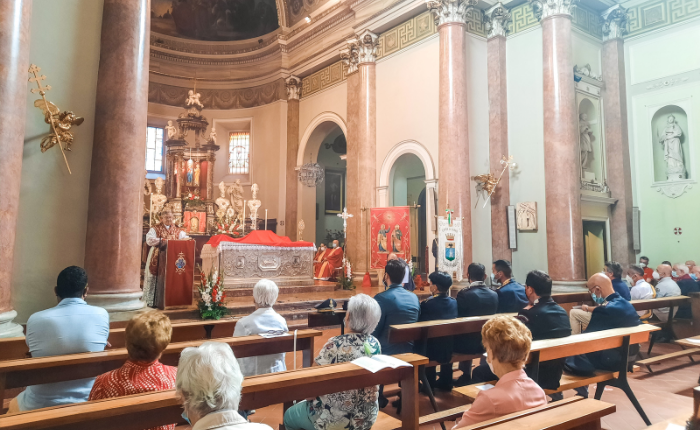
(193, 200)
(345, 280)
(211, 288)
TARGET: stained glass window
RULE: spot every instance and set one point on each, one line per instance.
(239, 153)
(154, 149)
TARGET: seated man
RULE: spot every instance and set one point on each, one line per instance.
(687, 285)
(147, 335)
(612, 312)
(69, 328)
(641, 289)
(666, 287)
(407, 281)
(475, 300)
(398, 307)
(439, 307)
(613, 270)
(648, 272)
(511, 295)
(318, 259)
(332, 259)
(507, 342)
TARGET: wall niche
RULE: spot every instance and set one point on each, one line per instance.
(671, 144)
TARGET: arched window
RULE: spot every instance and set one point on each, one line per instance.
(154, 150)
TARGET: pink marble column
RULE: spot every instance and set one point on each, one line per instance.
(292, 182)
(114, 231)
(616, 138)
(15, 23)
(562, 178)
(453, 137)
(497, 18)
(352, 199)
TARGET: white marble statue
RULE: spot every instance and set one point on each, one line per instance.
(670, 138)
(254, 204)
(236, 193)
(171, 130)
(212, 135)
(193, 99)
(158, 199)
(222, 202)
(586, 141)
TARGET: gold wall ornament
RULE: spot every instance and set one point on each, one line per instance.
(487, 183)
(60, 122)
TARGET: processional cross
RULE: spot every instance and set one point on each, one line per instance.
(345, 215)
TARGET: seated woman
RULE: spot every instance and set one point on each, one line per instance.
(147, 335)
(209, 385)
(355, 409)
(263, 320)
(507, 342)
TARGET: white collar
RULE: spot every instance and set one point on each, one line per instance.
(219, 419)
(640, 282)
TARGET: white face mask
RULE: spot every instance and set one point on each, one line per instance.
(629, 279)
(642, 265)
(656, 275)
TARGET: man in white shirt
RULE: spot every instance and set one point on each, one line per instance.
(641, 289)
(666, 287)
(407, 281)
(157, 238)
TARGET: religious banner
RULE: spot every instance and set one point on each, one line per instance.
(176, 280)
(390, 232)
(450, 247)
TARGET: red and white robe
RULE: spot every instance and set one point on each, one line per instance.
(154, 238)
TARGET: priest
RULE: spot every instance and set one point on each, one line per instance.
(331, 260)
(318, 259)
(157, 239)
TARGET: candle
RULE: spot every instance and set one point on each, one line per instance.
(150, 218)
(265, 219)
(244, 202)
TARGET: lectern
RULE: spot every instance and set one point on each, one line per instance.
(175, 274)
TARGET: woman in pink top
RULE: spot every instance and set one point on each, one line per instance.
(507, 342)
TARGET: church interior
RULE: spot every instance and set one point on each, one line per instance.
(182, 152)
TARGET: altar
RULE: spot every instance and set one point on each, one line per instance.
(261, 254)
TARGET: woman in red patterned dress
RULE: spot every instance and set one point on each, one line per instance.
(147, 335)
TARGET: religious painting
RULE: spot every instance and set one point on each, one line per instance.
(195, 222)
(334, 192)
(527, 216)
(390, 232)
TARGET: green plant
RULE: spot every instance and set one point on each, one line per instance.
(211, 288)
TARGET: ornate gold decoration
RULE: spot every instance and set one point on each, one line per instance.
(487, 182)
(61, 122)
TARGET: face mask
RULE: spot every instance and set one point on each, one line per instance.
(631, 282)
(184, 416)
(656, 275)
(494, 281)
(597, 300)
(335, 245)
(674, 274)
(694, 276)
(642, 265)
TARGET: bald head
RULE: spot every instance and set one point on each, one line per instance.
(600, 284)
(392, 256)
(696, 271)
(664, 270)
(690, 264)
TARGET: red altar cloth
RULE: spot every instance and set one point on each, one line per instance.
(260, 237)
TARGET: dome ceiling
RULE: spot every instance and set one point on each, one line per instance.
(217, 20)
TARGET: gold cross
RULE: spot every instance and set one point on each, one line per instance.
(35, 71)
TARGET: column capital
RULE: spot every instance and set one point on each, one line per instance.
(367, 43)
(546, 8)
(450, 11)
(350, 56)
(293, 88)
(614, 22)
(496, 19)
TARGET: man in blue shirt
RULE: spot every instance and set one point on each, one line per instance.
(511, 295)
(613, 270)
(69, 328)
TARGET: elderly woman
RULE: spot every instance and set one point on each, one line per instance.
(147, 335)
(263, 320)
(209, 384)
(507, 342)
(355, 409)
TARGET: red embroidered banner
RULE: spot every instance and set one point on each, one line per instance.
(390, 231)
(179, 273)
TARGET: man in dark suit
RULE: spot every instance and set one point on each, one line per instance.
(398, 307)
(612, 312)
(439, 307)
(511, 295)
(475, 300)
(613, 270)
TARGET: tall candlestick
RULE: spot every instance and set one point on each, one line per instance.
(244, 202)
(265, 219)
(150, 218)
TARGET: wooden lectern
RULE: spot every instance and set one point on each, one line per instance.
(175, 280)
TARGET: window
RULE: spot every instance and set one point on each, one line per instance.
(239, 153)
(154, 149)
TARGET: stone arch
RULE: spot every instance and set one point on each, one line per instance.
(318, 120)
(401, 148)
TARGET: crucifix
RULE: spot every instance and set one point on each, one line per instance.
(345, 215)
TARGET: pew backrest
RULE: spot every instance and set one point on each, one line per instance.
(437, 328)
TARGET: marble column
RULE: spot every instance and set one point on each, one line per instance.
(350, 58)
(497, 18)
(562, 178)
(616, 138)
(114, 230)
(15, 23)
(453, 137)
(292, 183)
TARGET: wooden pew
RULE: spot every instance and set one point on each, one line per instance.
(553, 349)
(60, 368)
(15, 348)
(327, 319)
(148, 410)
(680, 420)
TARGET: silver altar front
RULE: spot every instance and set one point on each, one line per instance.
(243, 265)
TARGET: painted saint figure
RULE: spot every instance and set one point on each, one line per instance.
(673, 152)
(396, 239)
(381, 239)
(196, 173)
(190, 171)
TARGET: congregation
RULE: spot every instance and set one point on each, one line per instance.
(208, 378)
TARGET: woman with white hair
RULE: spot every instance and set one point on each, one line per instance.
(263, 320)
(354, 409)
(209, 385)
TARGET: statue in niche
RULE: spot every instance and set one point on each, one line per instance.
(236, 193)
(254, 204)
(222, 202)
(196, 173)
(171, 130)
(158, 200)
(673, 152)
(212, 135)
(586, 141)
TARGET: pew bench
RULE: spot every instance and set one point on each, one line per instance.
(15, 348)
(553, 349)
(61, 368)
(141, 411)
